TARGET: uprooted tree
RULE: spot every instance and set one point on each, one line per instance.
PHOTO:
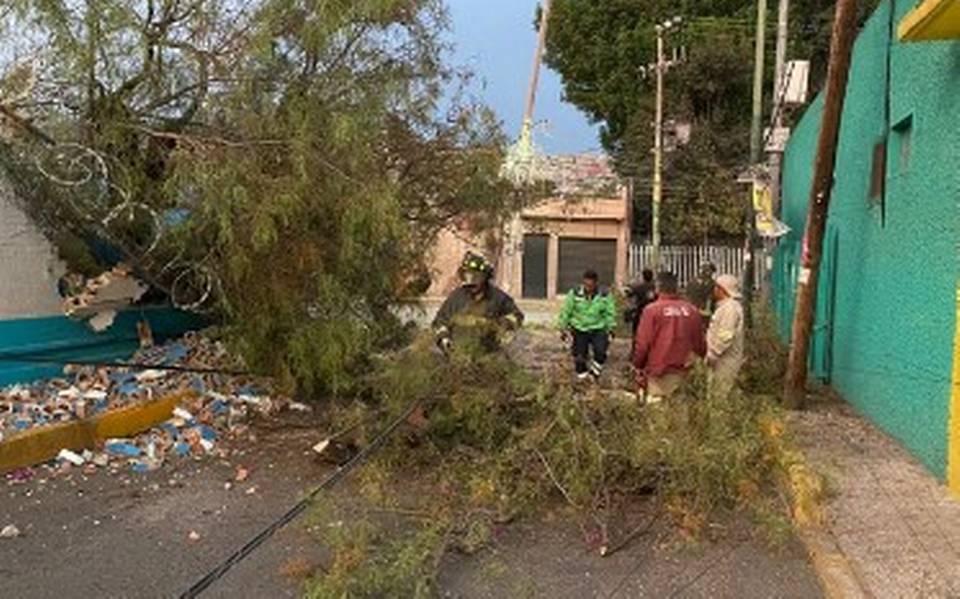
(281, 164)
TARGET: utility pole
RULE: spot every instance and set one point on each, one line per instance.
(658, 152)
(759, 60)
(838, 72)
(779, 89)
(535, 71)
(756, 150)
(523, 158)
(661, 67)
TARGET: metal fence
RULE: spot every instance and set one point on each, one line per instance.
(685, 261)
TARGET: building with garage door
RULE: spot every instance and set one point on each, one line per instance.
(585, 225)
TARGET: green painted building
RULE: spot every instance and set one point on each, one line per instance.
(885, 336)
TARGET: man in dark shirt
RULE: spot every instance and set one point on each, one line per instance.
(700, 290)
(641, 294)
(669, 340)
(477, 305)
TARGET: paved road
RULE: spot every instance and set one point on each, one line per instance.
(127, 536)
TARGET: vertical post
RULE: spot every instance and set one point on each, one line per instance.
(838, 72)
(537, 60)
(759, 60)
(658, 152)
(756, 150)
(776, 159)
(514, 274)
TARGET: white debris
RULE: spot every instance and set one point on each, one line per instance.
(9, 532)
(70, 456)
(101, 321)
(182, 414)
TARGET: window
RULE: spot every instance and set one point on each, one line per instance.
(903, 138)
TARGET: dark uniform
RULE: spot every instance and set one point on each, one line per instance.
(700, 291)
(641, 295)
(484, 309)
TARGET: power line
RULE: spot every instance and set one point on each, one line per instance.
(238, 556)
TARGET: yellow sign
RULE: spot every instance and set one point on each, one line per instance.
(767, 223)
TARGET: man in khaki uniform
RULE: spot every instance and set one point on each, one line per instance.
(725, 336)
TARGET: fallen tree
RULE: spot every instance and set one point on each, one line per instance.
(281, 166)
(500, 445)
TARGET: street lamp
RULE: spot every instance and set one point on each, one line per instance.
(661, 67)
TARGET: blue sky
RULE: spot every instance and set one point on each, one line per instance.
(496, 39)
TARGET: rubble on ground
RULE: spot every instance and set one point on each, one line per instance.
(218, 407)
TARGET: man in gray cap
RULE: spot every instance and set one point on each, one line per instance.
(725, 336)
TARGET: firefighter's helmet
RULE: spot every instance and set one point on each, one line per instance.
(474, 267)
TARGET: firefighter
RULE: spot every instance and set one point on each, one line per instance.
(589, 316)
(477, 304)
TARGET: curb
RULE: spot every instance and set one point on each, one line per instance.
(836, 574)
(44, 443)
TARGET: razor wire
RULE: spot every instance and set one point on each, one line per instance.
(104, 207)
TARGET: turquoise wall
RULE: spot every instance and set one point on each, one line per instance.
(896, 266)
(60, 338)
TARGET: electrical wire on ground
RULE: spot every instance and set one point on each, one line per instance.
(238, 556)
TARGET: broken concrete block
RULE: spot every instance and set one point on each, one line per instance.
(72, 457)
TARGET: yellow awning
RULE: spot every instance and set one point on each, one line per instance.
(931, 20)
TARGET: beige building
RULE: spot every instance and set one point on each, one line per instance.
(586, 225)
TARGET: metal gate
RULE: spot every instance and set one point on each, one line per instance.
(821, 343)
(579, 255)
(685, 261)
(535, 266)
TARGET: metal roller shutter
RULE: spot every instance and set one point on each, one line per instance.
(535, 266)
(578, 255)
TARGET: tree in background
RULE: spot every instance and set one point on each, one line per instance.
(283, 164)
(598, 47)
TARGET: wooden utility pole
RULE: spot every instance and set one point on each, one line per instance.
(841, 47)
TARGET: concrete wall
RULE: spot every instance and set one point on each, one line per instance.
(29, 268)
(896, 264)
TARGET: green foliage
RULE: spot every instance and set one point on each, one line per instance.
(597, 47)
(499, 445)
(318, 148)
(369, 564)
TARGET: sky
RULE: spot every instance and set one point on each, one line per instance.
(496, 39)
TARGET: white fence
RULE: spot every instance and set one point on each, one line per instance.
(685, 261)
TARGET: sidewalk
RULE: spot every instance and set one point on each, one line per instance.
(889, 518)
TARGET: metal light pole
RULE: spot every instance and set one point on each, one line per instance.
(779, 89)
(658, 153)
(661, 67)
(756, 151)
(756, 125)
